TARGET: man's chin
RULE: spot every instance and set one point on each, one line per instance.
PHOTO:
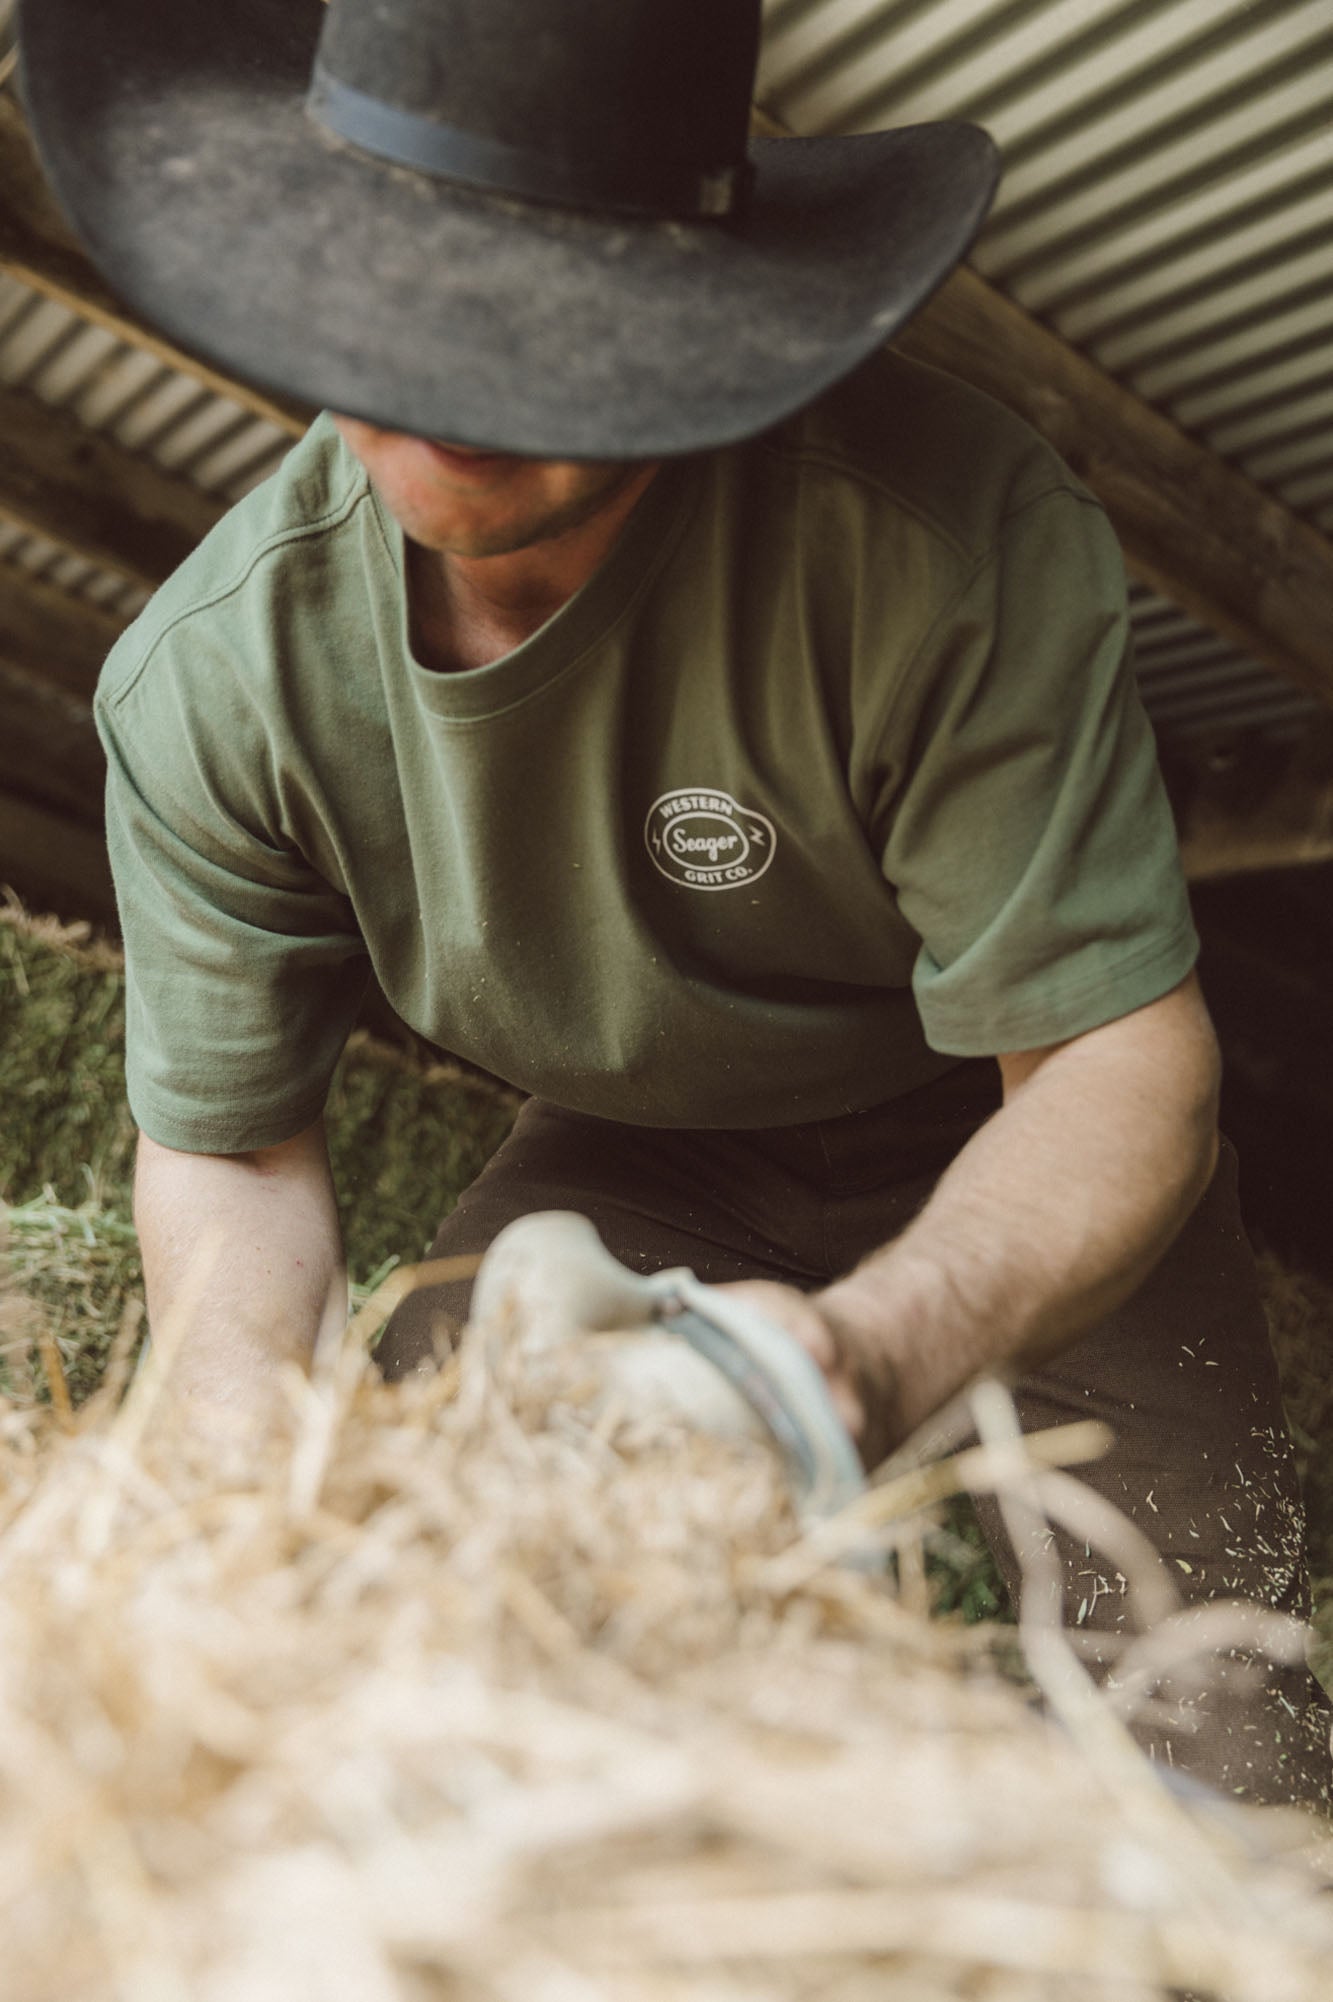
(466, 465)
(476, 544)
(473, 535)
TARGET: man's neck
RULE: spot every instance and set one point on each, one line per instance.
(468, 611)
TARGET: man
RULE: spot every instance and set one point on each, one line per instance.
(726, 737)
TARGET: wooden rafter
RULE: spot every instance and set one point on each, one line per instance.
(45, 631)
(55, 863)
(1192, 527)
(84, 492)
(49, 750)
(1293, 838)
(1281, 823)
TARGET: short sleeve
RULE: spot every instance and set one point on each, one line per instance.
(1029, 839)
(244, 968)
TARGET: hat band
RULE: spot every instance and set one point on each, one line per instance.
(651, 188)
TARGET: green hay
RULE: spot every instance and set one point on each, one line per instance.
(62, 1031)
(405, 1139)
(964, 1582)
(78, 1274)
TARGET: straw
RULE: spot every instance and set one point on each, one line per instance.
(513, 1698)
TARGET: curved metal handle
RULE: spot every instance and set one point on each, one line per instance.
(778, 1378)
(555, 1269)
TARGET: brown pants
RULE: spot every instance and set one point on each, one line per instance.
(1183, 1372)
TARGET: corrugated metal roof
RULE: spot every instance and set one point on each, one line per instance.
(50, 353)
(127, 393)
(1165, 205)
(1195, 686)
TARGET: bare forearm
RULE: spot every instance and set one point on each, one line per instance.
(242, 1264)
(1055, 1211)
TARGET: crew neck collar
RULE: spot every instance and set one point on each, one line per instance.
(644, 542)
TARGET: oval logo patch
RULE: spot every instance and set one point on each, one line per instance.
(706, 841)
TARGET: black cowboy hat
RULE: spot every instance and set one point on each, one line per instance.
(526, 224)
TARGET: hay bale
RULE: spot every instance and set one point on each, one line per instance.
(468, 1690)
(62, 1068)
(405, 1136)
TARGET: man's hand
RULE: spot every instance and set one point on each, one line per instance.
(266, 1226)
(1054, 1212)
(861, 1376)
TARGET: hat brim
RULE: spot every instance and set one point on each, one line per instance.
(176, 135)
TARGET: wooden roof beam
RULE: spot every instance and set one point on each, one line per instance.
(49, 749)
(81, 490)
(1192, 527)
(54, 863)
(1278, 818)
(1240, 848)
(53, 635)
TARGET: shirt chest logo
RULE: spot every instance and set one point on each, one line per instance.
(707, 841)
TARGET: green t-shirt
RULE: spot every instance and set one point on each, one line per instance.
(833, 772)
